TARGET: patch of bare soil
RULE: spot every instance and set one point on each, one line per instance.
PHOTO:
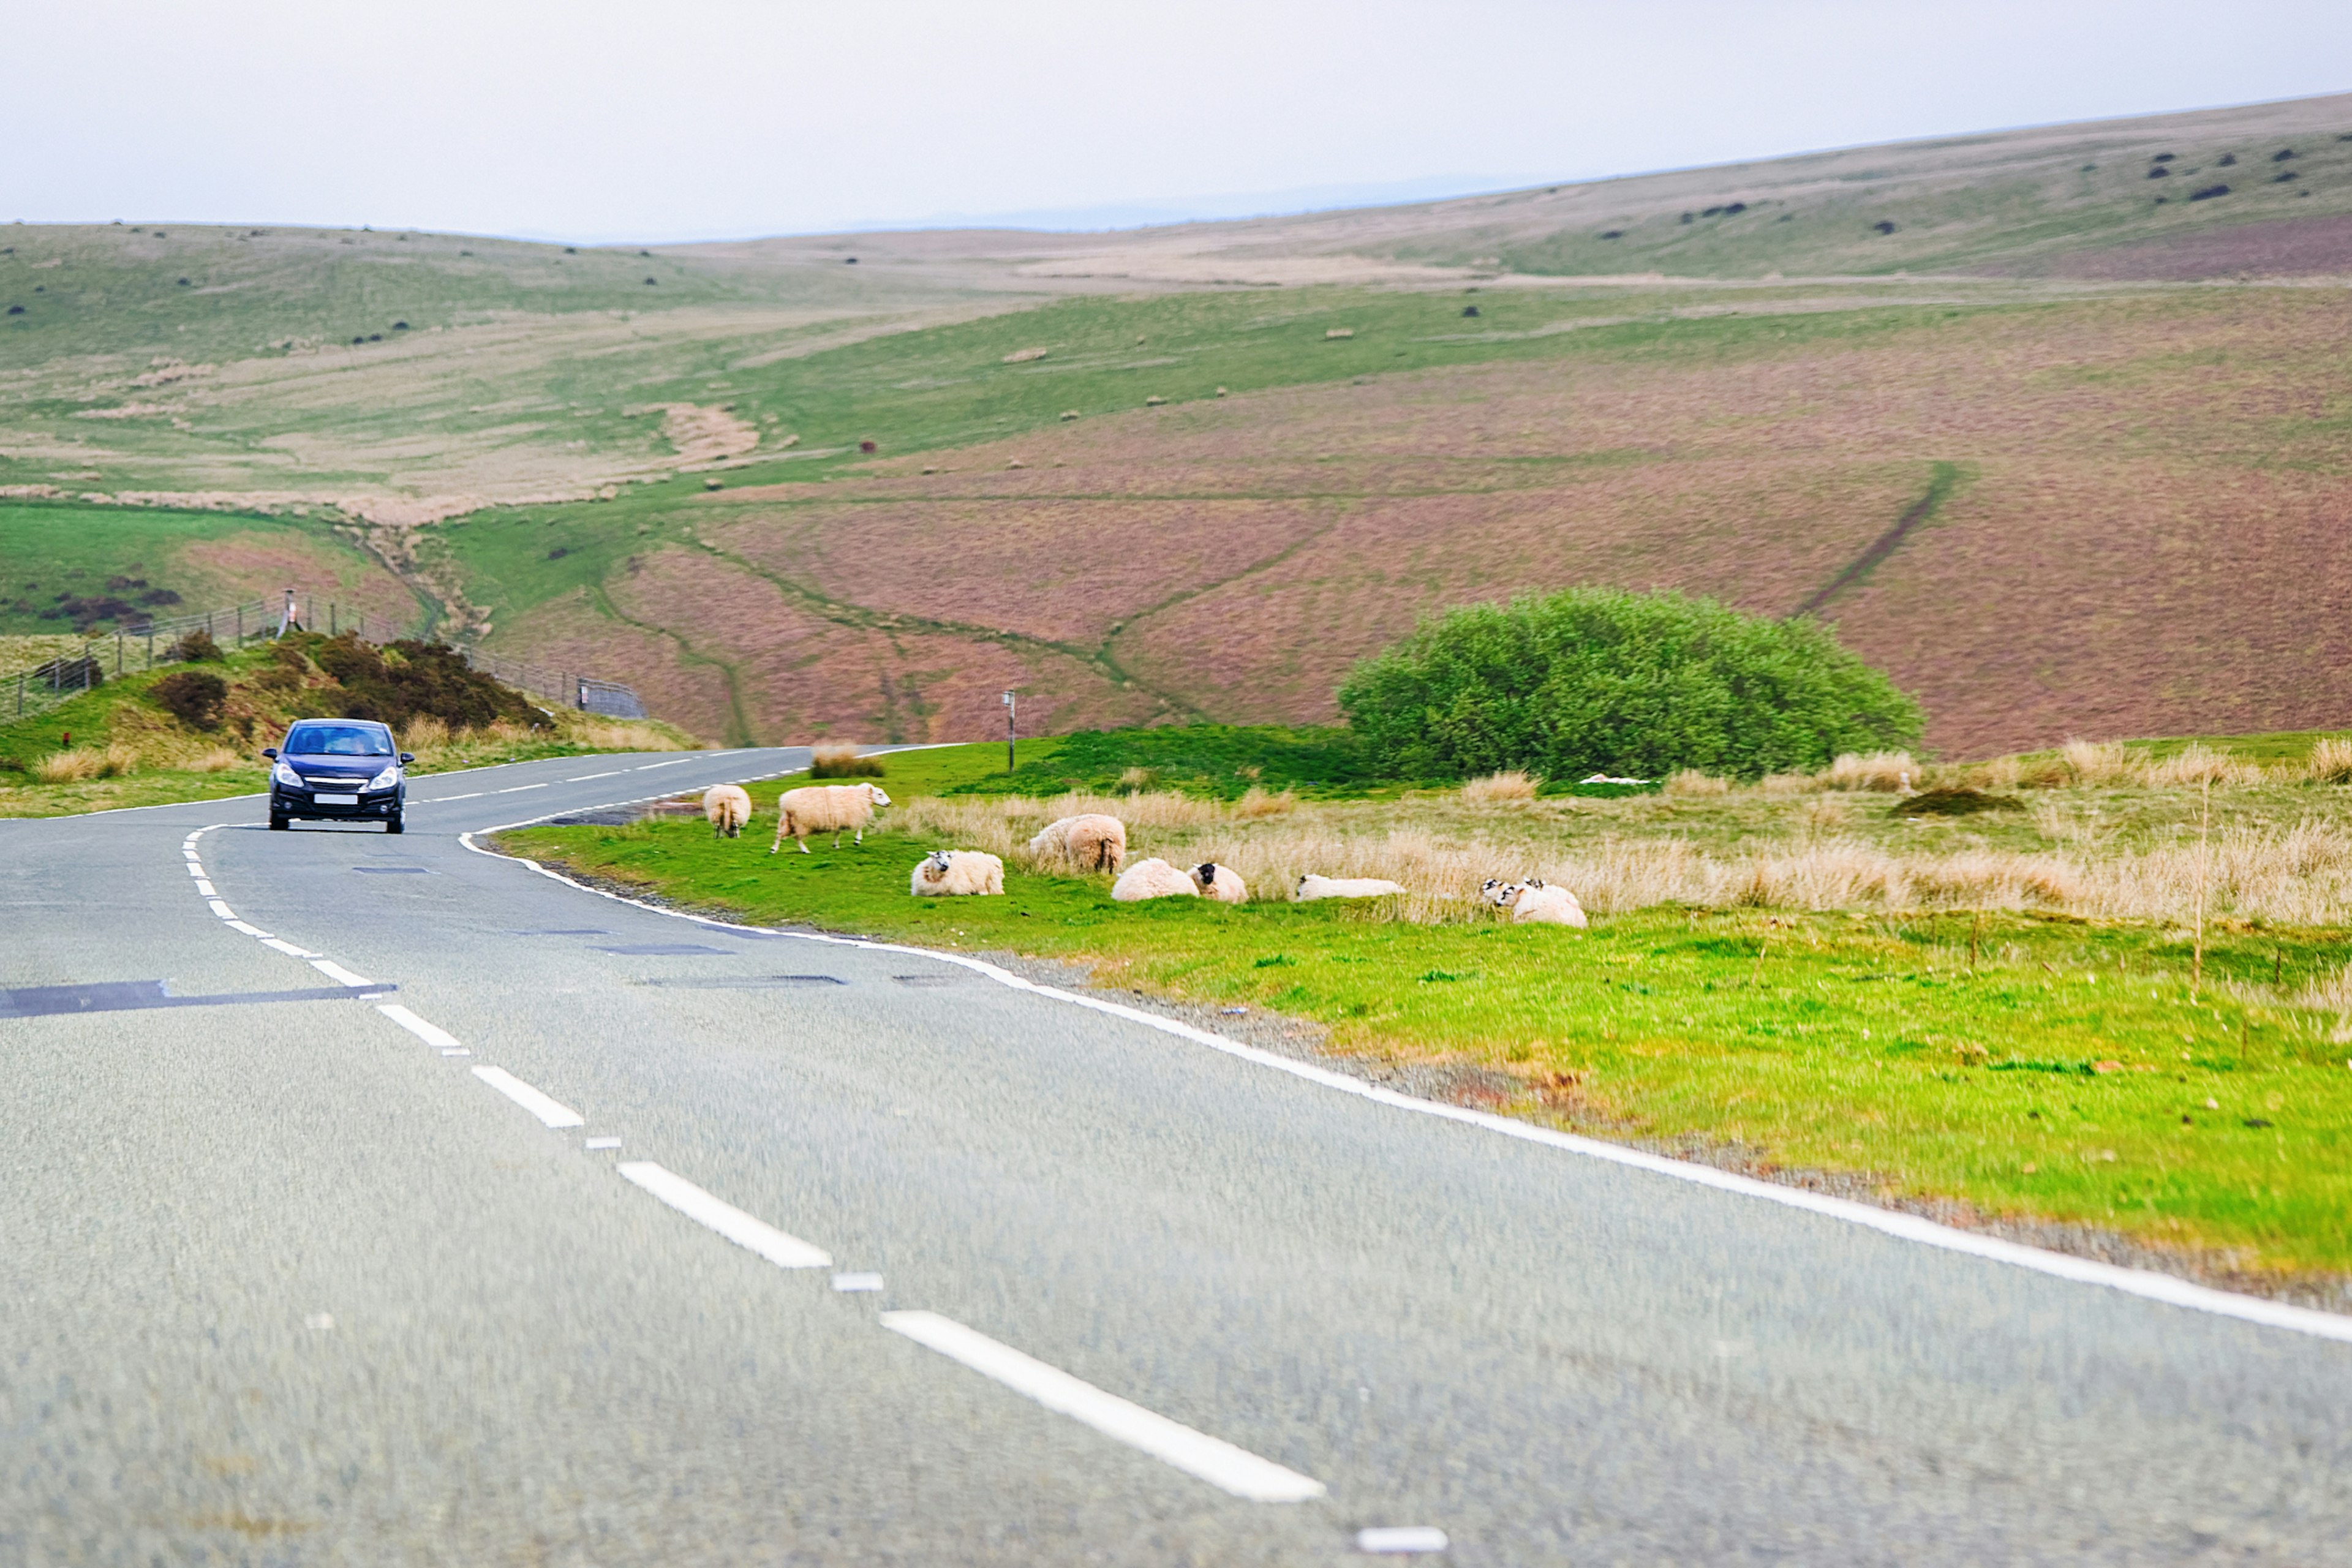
(703, 435)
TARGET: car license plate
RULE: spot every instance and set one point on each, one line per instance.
(338, 800)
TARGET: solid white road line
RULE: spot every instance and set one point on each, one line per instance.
(338, 974)
(2144, 1283)
(1212, 1459)
(552, 1112)
(431, 1034)
(583, 778)
(744, 1230)
(288, 948)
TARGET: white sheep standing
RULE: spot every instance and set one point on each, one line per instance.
(1538, 902)
(1222, 883)
(825, 808)
(729, 808)
(1153, 878)
(1312, 887)
(1090, 842)
(957, 873)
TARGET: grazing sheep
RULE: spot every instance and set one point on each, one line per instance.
(1312, 887)
(957, 873)
(1153, 878)
(1222, 883)
(1092, 842)
(729, 809)
(1537, 902)
(825, 808)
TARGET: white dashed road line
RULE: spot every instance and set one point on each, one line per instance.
(288, 948)
(338, 974)
(745, 1230)
(517, 789)
(222, 909)
(672, 763)
(431, 1034)
(1212, 1459)
(552, 1113)
(583, 778)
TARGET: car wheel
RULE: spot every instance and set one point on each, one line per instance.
(279, 824)
(392, 824)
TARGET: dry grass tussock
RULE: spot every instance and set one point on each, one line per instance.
(1690, 781)
(85, 763)
(1888, 772)
(1500, 789)
(2298, 873)
(2330, 762)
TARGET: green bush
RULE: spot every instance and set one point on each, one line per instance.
(1601, 680)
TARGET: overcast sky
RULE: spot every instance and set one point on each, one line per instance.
(669, 119)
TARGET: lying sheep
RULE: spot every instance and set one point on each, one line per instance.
(1312, 887)
(957, 873)
(1153, 878)
(825, 808)
(1538, 902)
(729, 809)
(1089, 843)
(1222, 883)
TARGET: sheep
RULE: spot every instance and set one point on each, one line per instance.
(1312, 887)
(729, 809)
(1092, 842)
(1153, 878)
(957, 872)
(1222, 883)
(1537, 902)
(825, 808)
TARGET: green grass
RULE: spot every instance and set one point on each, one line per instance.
(1222, 762)
(2039, 1066)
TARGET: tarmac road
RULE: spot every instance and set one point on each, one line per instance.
(285, 1279)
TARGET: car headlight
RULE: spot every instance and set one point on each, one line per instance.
(386, 779)
(287, 776)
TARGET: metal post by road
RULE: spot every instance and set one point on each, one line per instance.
(1011, 709)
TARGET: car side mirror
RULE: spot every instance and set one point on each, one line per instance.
(408, 756)
(271, 751)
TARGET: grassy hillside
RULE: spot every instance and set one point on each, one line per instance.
(1106, 473)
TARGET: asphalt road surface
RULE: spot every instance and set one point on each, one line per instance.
(612, 1238)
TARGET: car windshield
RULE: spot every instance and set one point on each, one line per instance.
(338, 741)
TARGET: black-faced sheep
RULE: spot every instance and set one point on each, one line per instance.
(729, 808)
(1312, 887)
(1222, 883)
(952, 873)
(1092, 842)
(1153, 879)
(825, 808)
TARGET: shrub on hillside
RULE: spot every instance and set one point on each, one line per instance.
(406, 680)
(191, 696)
(196, 647)
(1599, 679)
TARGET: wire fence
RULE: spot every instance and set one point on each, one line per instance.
(138, 648)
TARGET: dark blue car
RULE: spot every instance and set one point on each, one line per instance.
(338, 770)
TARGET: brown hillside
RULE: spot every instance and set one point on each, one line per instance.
(2147, 535)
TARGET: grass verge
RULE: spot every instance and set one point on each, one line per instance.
(2030, 1065)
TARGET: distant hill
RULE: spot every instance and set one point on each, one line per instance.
(2067, 460)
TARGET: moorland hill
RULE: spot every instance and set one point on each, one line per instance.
(2064, 458)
